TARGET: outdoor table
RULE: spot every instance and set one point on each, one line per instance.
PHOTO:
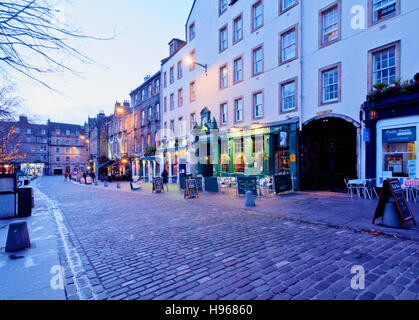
(359, 184)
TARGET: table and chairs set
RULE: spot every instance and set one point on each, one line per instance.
(228, 185)
(367, 188)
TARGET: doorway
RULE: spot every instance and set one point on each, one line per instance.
(329, 154)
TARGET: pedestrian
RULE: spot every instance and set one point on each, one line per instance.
(65, 177)
(165, 177)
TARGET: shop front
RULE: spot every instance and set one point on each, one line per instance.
(33, 169)
(392, 126)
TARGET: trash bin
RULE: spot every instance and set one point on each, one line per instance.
(8, 186)
(24, 202)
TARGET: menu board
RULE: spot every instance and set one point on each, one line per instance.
(245, 184)
(282, 183)
(191, 189)
(393, 188)
(158, 185)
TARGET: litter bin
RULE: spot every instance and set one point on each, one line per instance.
(24, 202)
(8, 186)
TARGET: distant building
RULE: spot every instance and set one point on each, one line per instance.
(68, 148)
(97, 135)
(145, 101)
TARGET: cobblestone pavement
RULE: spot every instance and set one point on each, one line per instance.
(121, 245)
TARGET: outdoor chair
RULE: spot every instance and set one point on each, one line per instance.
(370, 188)
(351, 188)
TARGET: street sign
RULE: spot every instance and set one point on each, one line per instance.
(191, 189)
(158, 185)
(393, 188)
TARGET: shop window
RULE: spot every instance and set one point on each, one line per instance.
(400, 152)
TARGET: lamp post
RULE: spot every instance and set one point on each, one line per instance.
(189, 61)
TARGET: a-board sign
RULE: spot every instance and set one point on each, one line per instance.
(89, 180)
(136, 184)
(191, 189)
(158, 185)
(282, 183)
(245, 184)
(393, 188)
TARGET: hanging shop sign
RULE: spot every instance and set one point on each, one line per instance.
(399, 135)
(393, 188)
(191, 189)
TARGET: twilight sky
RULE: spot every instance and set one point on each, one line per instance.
(144, 29)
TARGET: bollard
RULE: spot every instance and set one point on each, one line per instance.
(250, 199)
(106, 184)
(118, 185)
(18, 237)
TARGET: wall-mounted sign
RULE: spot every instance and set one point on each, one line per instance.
(399, 135)
(367, 135)
(293, 158)
(324, 112)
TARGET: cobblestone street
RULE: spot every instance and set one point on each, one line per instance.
(138, 245)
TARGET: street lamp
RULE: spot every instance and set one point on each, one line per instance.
(120, 110)
(189, 61)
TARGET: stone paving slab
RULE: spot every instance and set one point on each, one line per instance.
(147, 246)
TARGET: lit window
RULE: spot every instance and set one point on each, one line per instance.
(330, 25)
(382, 9)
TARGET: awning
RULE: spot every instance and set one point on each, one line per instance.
(106, 164)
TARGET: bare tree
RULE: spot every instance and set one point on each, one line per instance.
(30, 31)
(8, 103)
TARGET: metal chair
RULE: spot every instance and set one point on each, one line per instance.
(350, 188)
(370, 188)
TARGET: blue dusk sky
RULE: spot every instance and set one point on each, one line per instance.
(144, 29)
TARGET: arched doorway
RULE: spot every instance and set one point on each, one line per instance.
(329, 153)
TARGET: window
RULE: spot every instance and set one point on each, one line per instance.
(223, 6)
(238, 29)
(192, 66)
(150, 114)
(180, 98)
(57, 132)
(57, 159)
(165, 79)
(287, 4)
(28, 131)
(172, 101)
(58, 141)
(257, 144)
(193, 120)
(158, 112)
(157, 86)
(135, 144)
(257, 15)
(223, 39)
(330, 25)
(180, 126)
(77, 133)
(17, 130)
(142, 143)
(149, 139)
(258, 105)
(179, 70)
(143, 117)
(384, 66)
(67, 132)
(67, 142)
(192, 93)
(330, 81)
(223, 77)
(125, 124)
(172, 127)
(165, 104)
(143, 95)
(257, 60)
(149, 90)
(135, 121)
(288, 96)
(238, 70)
(192, 32)
(223, 113)
(383, 9)
(57, 150)
(238, 110)
(288, 45)
(172, 75)
(67, 159)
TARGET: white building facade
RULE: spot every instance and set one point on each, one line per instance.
(283, 86)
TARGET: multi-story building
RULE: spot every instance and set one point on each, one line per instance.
(145, 101)
(68, 146)
(31, 143)
(98, 143)
(119, 139)
(277, 86)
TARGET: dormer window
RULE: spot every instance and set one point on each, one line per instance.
(172, 48)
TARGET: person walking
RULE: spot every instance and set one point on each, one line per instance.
(165, 177)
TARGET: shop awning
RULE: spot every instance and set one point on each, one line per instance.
(106, 164)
